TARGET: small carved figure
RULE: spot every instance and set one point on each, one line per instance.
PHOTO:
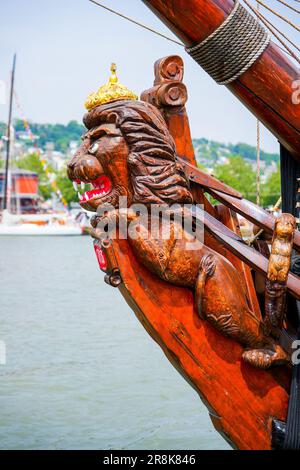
(275, 292)
(128, 150)
(278, 270)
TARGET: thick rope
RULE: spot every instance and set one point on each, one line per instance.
(233, 47)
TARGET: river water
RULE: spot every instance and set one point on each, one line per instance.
(81, 372)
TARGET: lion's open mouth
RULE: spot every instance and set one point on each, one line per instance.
(101, 187)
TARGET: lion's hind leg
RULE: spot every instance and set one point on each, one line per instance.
(207, 268)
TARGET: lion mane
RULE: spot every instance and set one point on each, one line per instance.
(156, 175)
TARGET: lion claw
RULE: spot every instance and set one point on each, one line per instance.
(265, 358)
(208, 264)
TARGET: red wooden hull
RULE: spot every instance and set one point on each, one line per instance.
(241, 400)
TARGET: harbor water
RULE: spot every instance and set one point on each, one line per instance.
(80, 371)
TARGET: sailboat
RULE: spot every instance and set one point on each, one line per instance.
(41, 224)
(252, 394)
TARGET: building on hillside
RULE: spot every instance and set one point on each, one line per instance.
(23, 191)
(73, 147)
(55, 158)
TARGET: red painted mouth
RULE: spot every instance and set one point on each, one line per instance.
(102, 187)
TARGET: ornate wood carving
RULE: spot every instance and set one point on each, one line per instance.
(278, 271)
(170, 70)
(129, 143)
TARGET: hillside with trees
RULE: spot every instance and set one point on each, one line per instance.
(62, 134)
(211, 150)
(59, 134)
(232, 163)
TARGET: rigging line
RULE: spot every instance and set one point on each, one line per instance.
(279, 15)
(136, 22)
(257, 154)
(261, 17)
(258, 162)
(284, 49)
(280, 32)
(289, 6)
(156, 32)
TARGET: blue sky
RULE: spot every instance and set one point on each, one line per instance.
(64, 50)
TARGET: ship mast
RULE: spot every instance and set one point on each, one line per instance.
(8, 137)
(266, 88)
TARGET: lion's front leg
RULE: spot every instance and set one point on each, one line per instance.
(125, 223)
(112, 224)
(153, 252)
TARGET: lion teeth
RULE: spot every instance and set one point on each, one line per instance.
(82, 185)
(75, 185)
(85, 197)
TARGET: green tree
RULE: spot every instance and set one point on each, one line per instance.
(3, 129)
(202, 167)
(65, 186)
(33, 162)
(248, 151)
(271, 189)
(239, 175)
(59, 134)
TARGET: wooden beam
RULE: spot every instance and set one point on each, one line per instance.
(266, 88)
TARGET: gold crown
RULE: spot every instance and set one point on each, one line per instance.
(111, 91)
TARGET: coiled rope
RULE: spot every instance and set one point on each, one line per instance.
(232, 48)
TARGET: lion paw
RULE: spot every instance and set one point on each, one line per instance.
(265, 358)
(208, 264)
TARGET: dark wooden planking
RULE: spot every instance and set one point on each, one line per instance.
(206, 180)
(232, 199)
(239, 248)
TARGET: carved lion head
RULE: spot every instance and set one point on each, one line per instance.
(128, 151)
